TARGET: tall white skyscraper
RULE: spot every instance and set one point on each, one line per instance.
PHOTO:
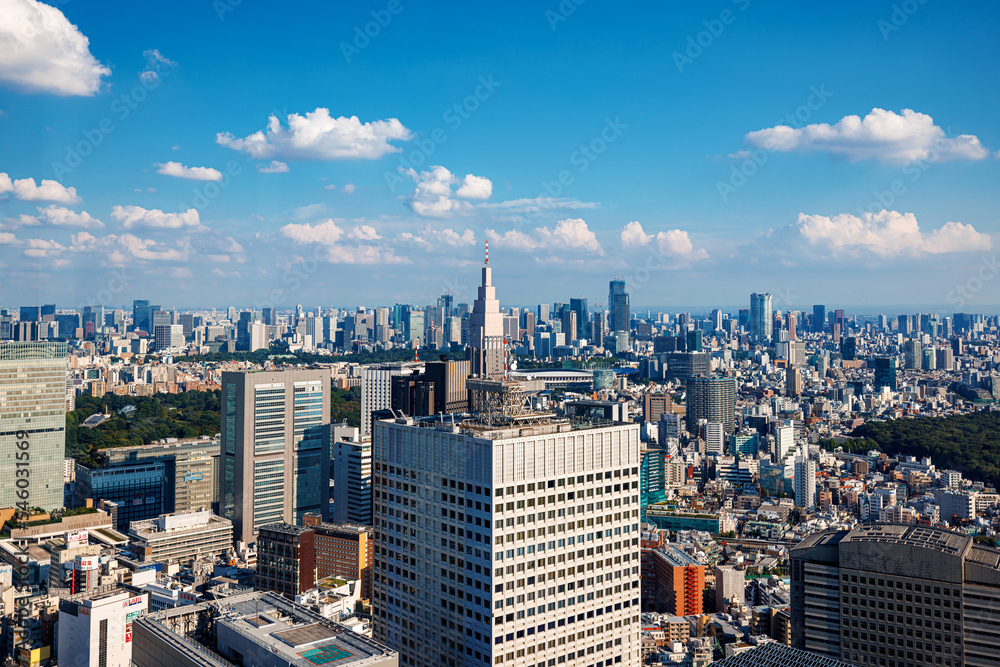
(715, 438)
(33, 415)
(784, 440)
(486, 329)
(376, 389)
(274, 456)
(509, 544)
(805, 482)
(352, 476)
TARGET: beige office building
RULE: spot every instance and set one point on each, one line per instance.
(274, 456)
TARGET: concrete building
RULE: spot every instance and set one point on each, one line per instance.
(805, 482)
(344, 551)
(33, 413)
(275, 458)
(512, 541)
(761, 317)
(654, 405)
(712, 399)
(95, 628)
(286, 559)
(729, 586)
(376, 389)
(896, 595)
(675, 583)
(180, 538)
(352, 476)
(190, 470)
(138, 489)
(253, 629)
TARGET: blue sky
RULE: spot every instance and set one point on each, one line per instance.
(866, 135)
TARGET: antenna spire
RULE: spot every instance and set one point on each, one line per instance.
(487, 251)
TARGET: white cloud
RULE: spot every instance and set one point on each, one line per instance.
(63, 217)
(330, 187)
(42, 52)
(155, 63)
(25, 189)
(179, 272)
(633, 235)
(881, 135)
(363, 254)
(475, 187)
(676, 242)
(534, 204)
(364, 233)
(569, 234)
(178, 170)
(318, 136)
(276, 167)
(136, 216)
(349, 189)
(434, 197)
(123, 249)
(436, 238)
(884, 234)
(7, 238)
(42, 248)
(325, 233)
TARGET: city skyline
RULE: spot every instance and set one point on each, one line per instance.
(164, 164)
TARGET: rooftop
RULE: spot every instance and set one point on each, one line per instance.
(773, 654)
(676, 557)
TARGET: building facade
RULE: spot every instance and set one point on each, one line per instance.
(286, 559)
(275, 457)
(507, 544)
(33, 414)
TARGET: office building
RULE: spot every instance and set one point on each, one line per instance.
(522, 538)
(652, 476)
(673, 582)
(275, 458)
(805, 482)
(885, 373)
(33, 414)
(190, 469)
(579, 308)
(344, 551)
(180, 538)
(793, 381)
(912, 355)
(654, 405)
(712, 399)
(730, 587)
(684, 365)
(618, 307)
(761, 318)
(450, 393)
(876, 595)
(376, 389)
(252, 629)
(137, 489)
(352, 477)
(286, 559)
(95, 628)
(486, 340)
(773, 654)
(819, 319)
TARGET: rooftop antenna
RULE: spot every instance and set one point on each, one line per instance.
(416, 356)
(487, 251)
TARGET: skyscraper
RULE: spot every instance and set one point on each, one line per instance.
(352, 477)
(33, 415)
(712, 399)
(507, 544)
(819, 319)
(761, 317)
(486, 343)
(805, 482)
(275, 460)
(579, 306)
(618, 307)
(885, 372)
(140, 315)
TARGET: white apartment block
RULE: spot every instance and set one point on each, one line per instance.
(507, 545)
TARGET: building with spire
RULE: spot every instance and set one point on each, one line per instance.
(486, 339)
